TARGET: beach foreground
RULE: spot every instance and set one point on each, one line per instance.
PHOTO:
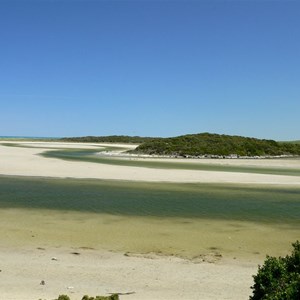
(77, 252)
(77, 272)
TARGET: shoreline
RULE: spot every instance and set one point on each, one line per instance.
(27, 162)
(78, 253)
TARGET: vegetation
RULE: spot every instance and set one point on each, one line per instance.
(215, 144)
(110, 139)
(112, 297)
(198, 145)
(86, 297)
(293, 142)
(63, 297)
(278, 278)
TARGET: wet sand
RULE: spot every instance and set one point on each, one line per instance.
(76, 254)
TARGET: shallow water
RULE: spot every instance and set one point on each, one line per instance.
(91, 156)
(211, 201)
(187, 220)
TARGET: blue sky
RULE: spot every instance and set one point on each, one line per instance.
(150, 68)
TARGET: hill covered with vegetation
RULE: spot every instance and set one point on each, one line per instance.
(293, 142)
(110, 139)
(216, 144)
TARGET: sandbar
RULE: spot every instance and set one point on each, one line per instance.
(20, 161)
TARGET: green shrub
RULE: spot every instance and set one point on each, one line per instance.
(112, 297)
(63, 297)
(278, 278)
(215, 144)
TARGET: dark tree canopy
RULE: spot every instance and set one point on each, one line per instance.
(278, 278)
(216, 144)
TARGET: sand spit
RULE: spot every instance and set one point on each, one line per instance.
(22, 161)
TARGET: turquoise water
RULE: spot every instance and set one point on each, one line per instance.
(209, 201)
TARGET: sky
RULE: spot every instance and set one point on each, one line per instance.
(150, 68)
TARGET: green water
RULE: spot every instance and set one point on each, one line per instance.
(91, 156)
(209, 201)
(187, 220)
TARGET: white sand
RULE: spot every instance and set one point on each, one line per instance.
(292, 163)
(99, 273)
(26, 162)
(96, 272)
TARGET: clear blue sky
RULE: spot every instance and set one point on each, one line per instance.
(150, 68)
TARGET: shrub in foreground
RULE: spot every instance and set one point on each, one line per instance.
(278, 278)
(63, 297)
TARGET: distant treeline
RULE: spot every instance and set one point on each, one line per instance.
(110, 139)
(215, 144)
(198, 145)
(294, 142)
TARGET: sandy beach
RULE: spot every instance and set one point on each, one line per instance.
(101, 273)
(149, 149)
(77, 270)
(22, 161)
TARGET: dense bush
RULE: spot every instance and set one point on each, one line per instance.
(216, 144)
(278, 278)
(112, 297)
(63, 297)
(198, 144)
(109, 139)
